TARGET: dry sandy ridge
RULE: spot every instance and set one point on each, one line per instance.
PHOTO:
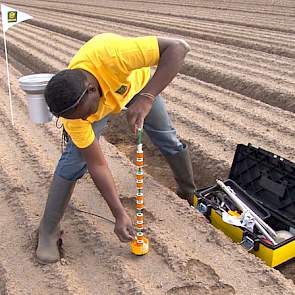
(237, 86)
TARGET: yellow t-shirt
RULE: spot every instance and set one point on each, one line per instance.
(121, 66)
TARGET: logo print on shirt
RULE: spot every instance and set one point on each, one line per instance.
(122, 89)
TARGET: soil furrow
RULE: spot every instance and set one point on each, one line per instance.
(265, 36)
(137, 271)
(192, 3)
(248, 86)
(254, 90)
(238, 70)
(214, 45)
(236, 64)
(227, 128)
(257, 45)
(207, 49)
(230, 99)
(175, 257)
(180, 7)
(65, 46)
(261, 36)
(34, 63)
(224, 170)
(187, 6)
(56, 275)
(245, 72)
(204, 71)
(207, 101)
(242, 19)
(20, 248)
(16, 254)
(3, 279)
(18, 41)
(209, 157)
(269, 61)
(288, 62)
(232, 2)
(63, 18)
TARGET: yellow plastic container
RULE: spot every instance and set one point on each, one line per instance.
(272, 255)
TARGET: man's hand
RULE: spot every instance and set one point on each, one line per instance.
(124, 228)
(137, 112)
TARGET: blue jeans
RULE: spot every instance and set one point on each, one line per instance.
(157, 125)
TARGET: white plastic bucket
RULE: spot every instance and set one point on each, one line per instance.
(34, 86)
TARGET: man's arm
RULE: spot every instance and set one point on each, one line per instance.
(172, 54)
(102, 177)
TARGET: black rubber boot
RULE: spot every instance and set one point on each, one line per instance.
(60, 192)
(181, 166)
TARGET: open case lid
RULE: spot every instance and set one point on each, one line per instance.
(268, 178)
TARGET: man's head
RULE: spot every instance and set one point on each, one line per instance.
(72, 94)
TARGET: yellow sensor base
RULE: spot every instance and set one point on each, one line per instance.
(140, 249)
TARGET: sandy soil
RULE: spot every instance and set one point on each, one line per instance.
(237, 86)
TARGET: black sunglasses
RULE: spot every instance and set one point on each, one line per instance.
(72, 106)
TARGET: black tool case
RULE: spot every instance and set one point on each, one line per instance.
(265, 182)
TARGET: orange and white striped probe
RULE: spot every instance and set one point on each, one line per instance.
(140, 245)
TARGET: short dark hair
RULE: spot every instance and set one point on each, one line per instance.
(63, 89)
